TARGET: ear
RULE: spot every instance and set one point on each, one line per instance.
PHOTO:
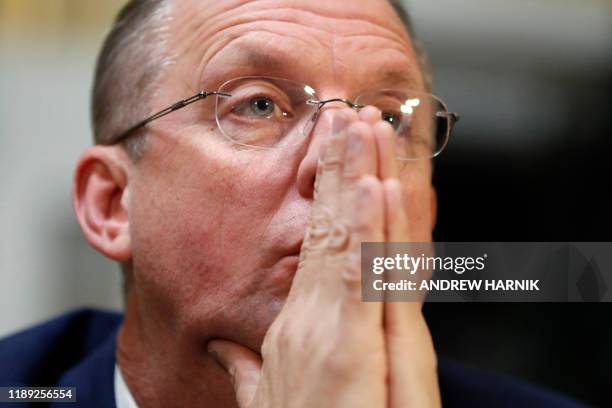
(433, 207)
(100, 200)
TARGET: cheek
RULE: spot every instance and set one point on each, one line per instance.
(194, 218)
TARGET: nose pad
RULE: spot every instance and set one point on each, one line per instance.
(322, 108)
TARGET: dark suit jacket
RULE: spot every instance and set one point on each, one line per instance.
(78, 350)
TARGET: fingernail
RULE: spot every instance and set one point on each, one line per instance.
(339, 122)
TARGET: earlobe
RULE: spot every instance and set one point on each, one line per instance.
(433, 207)
(100, 198)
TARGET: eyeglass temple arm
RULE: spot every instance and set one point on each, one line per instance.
(453, 118)
(174, 107)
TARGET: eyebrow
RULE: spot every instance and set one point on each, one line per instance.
(403, 77)
(260, 59)
(239, 57)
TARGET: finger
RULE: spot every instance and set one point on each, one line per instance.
(397, 314)
(412, 360)
(397, 229)
(396, 221)
(369, 114)
(387, 154)
(363, 211)
(361, 197)
(366, 214)
(413, 376)
(327, 186)
(329, 169)
(242, 364)
(325, 206)
(361, 156)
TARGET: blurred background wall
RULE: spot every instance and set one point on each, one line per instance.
(530, 161)
(47, 53)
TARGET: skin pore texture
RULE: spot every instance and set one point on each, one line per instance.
(212, 232)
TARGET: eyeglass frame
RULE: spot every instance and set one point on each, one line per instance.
(452, 117)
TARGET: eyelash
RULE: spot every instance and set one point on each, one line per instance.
(248, 98)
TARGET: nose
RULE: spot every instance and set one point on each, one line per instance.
(330, 120)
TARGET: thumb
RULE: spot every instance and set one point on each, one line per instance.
(243, 366)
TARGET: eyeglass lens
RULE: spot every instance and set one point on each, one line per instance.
(269, 112)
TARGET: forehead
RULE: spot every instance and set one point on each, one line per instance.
(332, 42)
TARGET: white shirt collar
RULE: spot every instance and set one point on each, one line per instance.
(123, 396)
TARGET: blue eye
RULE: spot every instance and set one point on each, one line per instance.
(394, 119)
(263, 107)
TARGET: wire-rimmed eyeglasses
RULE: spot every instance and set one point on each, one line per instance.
(268, 112)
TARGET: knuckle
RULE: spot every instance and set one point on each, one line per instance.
(369, 185)
(330, 165)
(339, 237)
(351, 175)
(326, 232)
(369, 196)
(338, 362)
(348, 267)
(320, 227)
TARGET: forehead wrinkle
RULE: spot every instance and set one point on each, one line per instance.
(219, 25)
(331, 25)
(325, 11)
(376, 44)
(395, 65)
(257, 37)
(247, 55)
(258, 49)
(332, 29)
(220, 39)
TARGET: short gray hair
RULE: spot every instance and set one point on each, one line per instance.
(134, 56)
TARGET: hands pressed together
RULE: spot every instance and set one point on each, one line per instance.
(327, 348)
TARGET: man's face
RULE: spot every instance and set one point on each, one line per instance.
(216, 229)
